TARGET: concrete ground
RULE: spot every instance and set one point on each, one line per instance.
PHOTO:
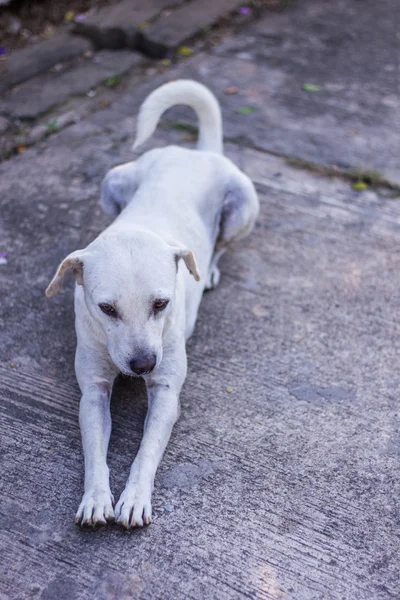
(286, 486)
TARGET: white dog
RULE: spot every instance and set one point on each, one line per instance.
(136, 301)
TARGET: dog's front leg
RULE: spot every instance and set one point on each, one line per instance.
(134, 506)
(95, 377)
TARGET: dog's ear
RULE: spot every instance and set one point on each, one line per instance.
(189, 260)
(74, 263)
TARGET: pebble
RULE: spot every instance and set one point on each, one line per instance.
(37, 133)
(67, 119)
(4, 125)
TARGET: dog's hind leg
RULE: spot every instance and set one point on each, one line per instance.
(239, 210)
(236, 220)
(119, 187)
(214, 274)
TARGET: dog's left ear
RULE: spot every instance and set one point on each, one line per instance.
(189, 260)
(73, 262)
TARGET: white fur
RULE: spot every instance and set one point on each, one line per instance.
(177, 210)
(187, 92)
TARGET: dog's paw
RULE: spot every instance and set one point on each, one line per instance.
(96, 508)
(134, 507)
(213, 277)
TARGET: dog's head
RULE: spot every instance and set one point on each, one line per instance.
(128, 284)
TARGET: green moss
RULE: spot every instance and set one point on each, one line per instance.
(52, 126)
(186, 127)
(113, 80)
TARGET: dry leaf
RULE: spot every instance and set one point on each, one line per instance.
(185, 51)
(359, 186)
(104, 103)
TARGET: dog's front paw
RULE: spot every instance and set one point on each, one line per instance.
(96, 508)
(134, 507)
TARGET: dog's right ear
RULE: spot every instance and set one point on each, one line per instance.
(74, 263)
(189, 260)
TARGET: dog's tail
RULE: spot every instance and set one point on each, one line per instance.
(191, 93)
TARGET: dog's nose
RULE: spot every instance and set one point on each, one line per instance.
(143, 364)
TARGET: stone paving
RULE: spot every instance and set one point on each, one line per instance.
(281, 479)
(79, 62)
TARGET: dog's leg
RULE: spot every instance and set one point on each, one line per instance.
(134, 506)
(95, 376)
(214, 275)
(237, 217)
(239, 210)
(118, 188)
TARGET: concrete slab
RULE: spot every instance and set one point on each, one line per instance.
(33, 98)
(353, 122)
(117, 26)
(37, 58)
(134, 12)
(168, 32)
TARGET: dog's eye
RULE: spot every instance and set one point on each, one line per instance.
(160, 305)
(108, 310)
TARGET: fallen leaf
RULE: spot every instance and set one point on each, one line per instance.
(104, 103)
(246, 110)
(21, 149)
(166, 62)
(359, 186)
(143, 25)
(69, 16)
(311, 87)
(231, 90)
(48, 33)
(185, 51)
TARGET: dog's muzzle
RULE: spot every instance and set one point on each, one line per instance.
(142, 365)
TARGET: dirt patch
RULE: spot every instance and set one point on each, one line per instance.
(24, 22)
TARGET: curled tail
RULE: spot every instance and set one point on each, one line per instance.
(193, 94)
